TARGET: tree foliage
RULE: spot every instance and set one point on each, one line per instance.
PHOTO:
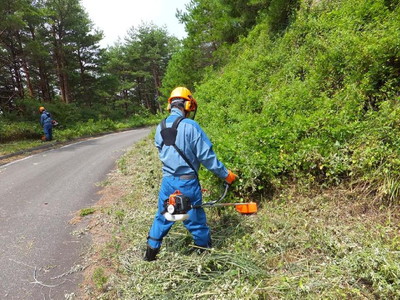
(310, 94)
(35, 37)
(139, 65)
(50, 53)
(318, 104)
(213, 26)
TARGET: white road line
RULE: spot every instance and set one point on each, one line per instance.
(13, 162)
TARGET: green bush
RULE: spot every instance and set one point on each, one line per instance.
(319, 104)
(13, 131)
(17, 135)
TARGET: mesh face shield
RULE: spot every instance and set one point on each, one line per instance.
(178, 102)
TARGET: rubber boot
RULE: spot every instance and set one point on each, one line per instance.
(151, 254)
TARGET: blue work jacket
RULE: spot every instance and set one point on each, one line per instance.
(192, 141)
(45, 119)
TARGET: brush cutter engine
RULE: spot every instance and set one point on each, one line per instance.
(176, 207)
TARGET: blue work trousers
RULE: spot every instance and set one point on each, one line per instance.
(48, 131)
(196, 224)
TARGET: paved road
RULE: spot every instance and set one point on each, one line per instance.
(40, 250)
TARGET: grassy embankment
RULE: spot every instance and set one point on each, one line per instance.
(301, 244)
(21, 136)
(309, 121)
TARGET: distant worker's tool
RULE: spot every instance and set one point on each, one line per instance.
(176, 207)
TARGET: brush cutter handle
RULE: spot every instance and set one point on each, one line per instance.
(211, 203)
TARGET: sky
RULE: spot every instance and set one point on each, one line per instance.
(115, 17)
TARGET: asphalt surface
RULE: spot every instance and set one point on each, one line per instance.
(40, 251)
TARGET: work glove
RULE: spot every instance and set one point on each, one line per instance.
(231, 177)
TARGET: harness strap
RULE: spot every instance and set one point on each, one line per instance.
(185, 158)
(169, 139)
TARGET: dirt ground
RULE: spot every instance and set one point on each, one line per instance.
(100, 230)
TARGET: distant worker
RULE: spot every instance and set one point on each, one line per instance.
(181, 163)
(47, 123)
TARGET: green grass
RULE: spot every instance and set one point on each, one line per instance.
(18, 136)
(318, 104)
(302, 244)
(13, 147)
(99, 278)
(86, 211)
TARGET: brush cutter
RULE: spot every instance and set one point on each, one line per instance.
(176, 207)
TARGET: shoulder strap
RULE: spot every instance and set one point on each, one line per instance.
(169, 138)
(176, 122)
(174, 125)
(185, 158)
(163, 125)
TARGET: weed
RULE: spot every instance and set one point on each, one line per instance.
(122, 165)
(390, 190)
(317, 105)
(14, 147)
(298, 246)
(99, 278)
(86, 211)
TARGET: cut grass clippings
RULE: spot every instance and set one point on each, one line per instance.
(329, 244)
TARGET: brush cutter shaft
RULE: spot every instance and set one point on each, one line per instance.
(177, 206)
(212, 203)
(223, 204)
(243, 208)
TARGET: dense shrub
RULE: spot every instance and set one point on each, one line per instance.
(17, 131)
(318, 104)
(74, 120)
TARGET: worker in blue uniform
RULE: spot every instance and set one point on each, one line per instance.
(180, 172)
(47, 122)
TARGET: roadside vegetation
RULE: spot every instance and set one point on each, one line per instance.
(31, 132)
(304, 106)
(302, 244)
(301, 100)
(50, 56)
(318, 104)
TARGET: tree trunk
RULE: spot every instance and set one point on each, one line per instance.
(157, 85)
(44, 82)
(59, 58)
(24, 65)
(16, 77)
(44, 85)
(83, 83)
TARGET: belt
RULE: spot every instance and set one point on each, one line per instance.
(188, 177)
